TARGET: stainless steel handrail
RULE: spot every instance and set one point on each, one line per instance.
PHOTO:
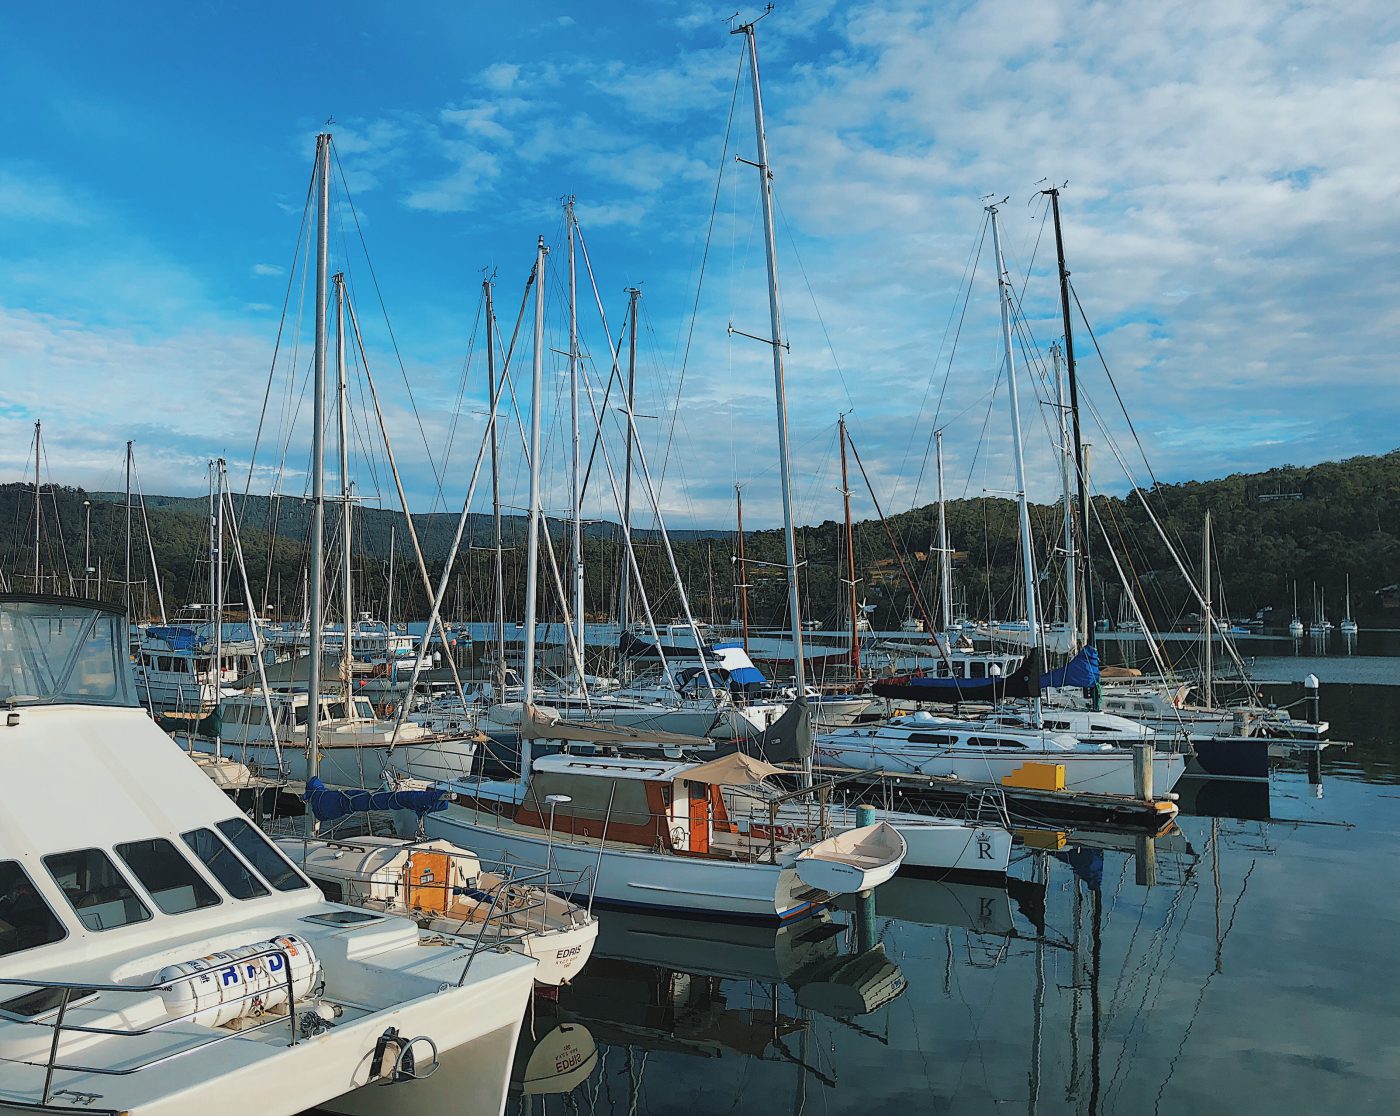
(69, 987)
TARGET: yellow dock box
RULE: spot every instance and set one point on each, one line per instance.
(1037, 776)
(1049, 839)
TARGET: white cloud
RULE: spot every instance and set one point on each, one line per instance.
(266, 269)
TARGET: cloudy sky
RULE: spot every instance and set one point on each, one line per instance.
(1230, 221)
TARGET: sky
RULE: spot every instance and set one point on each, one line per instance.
(1230, 215)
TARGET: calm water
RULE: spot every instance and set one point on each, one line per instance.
(1258, 974)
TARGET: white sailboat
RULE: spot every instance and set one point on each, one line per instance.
(1348, 626)
(991, 750)
(1295, 625)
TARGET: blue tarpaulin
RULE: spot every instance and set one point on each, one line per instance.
(328, 804)
(1081, 671)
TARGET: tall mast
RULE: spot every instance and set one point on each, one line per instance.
(38, 510)
(1027, 554)
(850, 551)
(1208, 628)
(770, 250)
(315, 574)
(533, 546)
(1080, 466)
(743, 569)
(945, 558)
(577, 492)
(126, 596)
(1067, 466)
(216, 563)
(496, 496)
(389, 600)
(625, 591)
(212, 543)
(343, 445)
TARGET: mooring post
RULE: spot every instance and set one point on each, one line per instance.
(1146, 860)
(1312, 692)
(865, 902)
(1143, 755)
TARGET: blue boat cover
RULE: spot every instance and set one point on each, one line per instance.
(1081, 671)
(328, 804)
(1024, 681)
(179, 638)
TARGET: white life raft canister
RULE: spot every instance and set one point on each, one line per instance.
(243, 981)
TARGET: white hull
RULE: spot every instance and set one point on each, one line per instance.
(355, 766)
(1098, 772)
(633, 876)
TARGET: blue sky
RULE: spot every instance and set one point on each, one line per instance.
(1230, 218)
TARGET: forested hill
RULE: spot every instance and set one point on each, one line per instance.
(1312, 525)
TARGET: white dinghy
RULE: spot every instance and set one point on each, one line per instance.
(445, 889)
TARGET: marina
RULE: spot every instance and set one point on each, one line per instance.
(530, 679)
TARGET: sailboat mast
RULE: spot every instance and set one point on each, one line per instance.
(216, 565)
(743, 569)
(38, 510)
(533, 546)
(127, 577)
(496, 495)
(770, 251)
(315, 574)
(389, 600)
(1080, 466)
(575, 475)
(1027, 554)
(1071, 564)
(850, 551)
(625, 590)
(343, 447)
(1209, 626)
(945, 557)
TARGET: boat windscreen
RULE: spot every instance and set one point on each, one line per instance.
(63, 653)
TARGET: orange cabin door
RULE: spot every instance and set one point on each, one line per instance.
(699, 819)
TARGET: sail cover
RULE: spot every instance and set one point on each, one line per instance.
(328, 804)
(786, 740)
(1024, 682)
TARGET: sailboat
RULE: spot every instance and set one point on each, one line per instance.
(992, 751)
(1348, 625)
(1295, 625)
(351, 747)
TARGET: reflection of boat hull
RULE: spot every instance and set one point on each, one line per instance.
(981, 908)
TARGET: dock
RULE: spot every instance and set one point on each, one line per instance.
(1022, 803)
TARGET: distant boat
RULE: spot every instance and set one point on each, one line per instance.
(1348, 625)
(1295, 626)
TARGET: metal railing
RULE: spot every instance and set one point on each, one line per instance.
(68, 988)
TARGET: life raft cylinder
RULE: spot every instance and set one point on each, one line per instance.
(234, 983)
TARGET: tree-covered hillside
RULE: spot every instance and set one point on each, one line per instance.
(1312, 525)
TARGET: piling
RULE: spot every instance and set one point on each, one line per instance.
(1312, 691)
(1143, 755)
(865, 901)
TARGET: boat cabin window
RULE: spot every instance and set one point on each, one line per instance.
(168, 877)
(943, 669)
(939, 739)
(977, 669)
(25, 919)
(275, 868)
(98, 893)
(331, 889)
(998, 742)
(364, 709)
(63, 653)
(590, 795)
(238, 881)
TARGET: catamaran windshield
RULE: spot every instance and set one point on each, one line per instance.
(58, 651)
